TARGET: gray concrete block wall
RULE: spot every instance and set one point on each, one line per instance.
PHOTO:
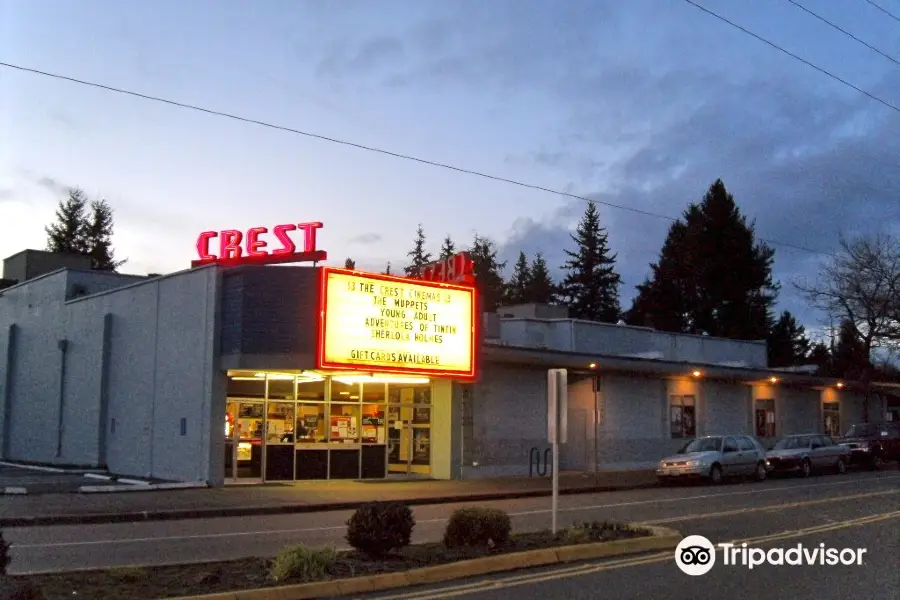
(161, 371)
(727, 408)
(634, 432)
(83, 330)
(605, 338)
(508, 419)
(184, 340)
(802, 410)
(33, 414)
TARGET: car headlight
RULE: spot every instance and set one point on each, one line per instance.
(694, 463)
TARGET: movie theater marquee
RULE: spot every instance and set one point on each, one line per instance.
(391, 324)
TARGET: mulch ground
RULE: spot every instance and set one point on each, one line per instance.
(151, 583)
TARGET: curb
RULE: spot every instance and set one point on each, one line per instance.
(44, 469)
(133, 485)
(15, 491)
(663, 538)
(280, 509)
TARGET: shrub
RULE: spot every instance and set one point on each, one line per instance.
(4, 555)
(301, 563)
(477, 527)
(378, 528)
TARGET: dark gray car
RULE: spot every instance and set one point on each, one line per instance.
(806, 452)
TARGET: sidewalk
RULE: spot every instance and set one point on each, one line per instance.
(271, 499)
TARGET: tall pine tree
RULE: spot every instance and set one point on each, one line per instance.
(712, 275)
(349, 263)
(448, 248)
(488, 271)
(387, 269)
(98, 235)
(518, 285)
(69, 232)
(541, 289)
(418, 256)
(591, 285)
(787, 344)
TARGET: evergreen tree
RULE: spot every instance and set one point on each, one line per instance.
(419, 257)
(850, 360)
(787, 344)
(519, 284)
(349, 263)
(591, 285)
(820, 356)
(488, 276)
(387, 270)
(69, 232)
(448, 248)
(541, 289)
(98, 234)
(712, 276)
(664, 301)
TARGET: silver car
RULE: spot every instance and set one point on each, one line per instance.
(804, 453)
(715, 457)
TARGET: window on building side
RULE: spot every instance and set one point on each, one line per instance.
(682, 416)
(765, 418)
(831, 413)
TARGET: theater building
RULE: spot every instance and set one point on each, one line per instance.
(240, 370)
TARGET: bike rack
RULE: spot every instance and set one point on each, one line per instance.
(534, 461)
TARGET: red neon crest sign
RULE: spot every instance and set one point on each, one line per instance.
(458, 268)
(236, 247)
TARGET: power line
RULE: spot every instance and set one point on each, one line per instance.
(845, 32)
(893, 16)
(371, 149)
(794, 56)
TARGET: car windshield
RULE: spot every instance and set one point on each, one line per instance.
(791, 443)
(862, 430)
(702, 445)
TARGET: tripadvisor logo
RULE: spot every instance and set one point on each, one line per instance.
(696, 555)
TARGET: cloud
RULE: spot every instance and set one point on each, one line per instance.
(650, 104)
(371, 55)
(365, 238)
(52, 185)
(804, 168)
(7, 194)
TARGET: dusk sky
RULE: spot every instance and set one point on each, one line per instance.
(638, 103)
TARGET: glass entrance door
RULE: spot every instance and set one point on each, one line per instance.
(409, 431)
(244, 423)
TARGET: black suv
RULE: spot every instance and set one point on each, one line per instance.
(873, 444)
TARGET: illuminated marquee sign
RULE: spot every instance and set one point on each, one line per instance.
(237, 247)
(390, 324)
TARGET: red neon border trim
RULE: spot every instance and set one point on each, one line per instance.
(265, 259)
(321, 363)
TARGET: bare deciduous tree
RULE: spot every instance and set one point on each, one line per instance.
(861, 286)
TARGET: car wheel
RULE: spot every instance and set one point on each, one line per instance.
(761, 472)
(715, 474)
(806, 468)
(841, 466)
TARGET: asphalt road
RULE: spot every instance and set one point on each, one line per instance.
(656, 576)
(731, 511)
